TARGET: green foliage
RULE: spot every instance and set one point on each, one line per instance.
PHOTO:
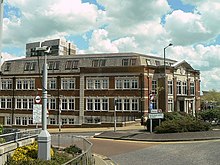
(59, 158)
(1, 129)
(210, 115)
(73, 149)
(28, 155)
(181, 122)
(211, 96)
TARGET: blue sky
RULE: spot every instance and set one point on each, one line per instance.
(97, 26)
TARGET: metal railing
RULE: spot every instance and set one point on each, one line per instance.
(18, 136)
(85, 158)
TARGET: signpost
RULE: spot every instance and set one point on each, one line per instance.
(156, 116)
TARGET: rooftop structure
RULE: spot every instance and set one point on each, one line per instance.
(58, 47)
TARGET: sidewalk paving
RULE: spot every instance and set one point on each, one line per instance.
(136, 132)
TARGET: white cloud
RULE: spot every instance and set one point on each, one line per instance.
(186, 28)
(41, 19)
(123, 26)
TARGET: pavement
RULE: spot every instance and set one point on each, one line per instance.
(136, 132)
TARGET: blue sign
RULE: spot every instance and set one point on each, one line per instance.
(151, 106)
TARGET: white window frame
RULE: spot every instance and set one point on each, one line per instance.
(170, 87)
(184, 86)
(179, 87)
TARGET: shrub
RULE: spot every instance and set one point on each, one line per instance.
(73, 149)
(28, 156)
(210, 115)
(175, 122)
(27, 153)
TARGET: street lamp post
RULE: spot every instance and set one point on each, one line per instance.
(115, 118)
(1, 27)
(165, 85)
(44, 138)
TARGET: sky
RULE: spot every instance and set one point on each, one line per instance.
(141, 26)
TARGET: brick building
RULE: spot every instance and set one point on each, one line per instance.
(89, 88)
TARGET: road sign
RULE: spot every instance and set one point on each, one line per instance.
(37, 99)
(154, 111)
(156, 116)
(37, 113)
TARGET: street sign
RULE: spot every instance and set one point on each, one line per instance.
(37, 99)
(37, 113)
(156, 116)
(154, 111)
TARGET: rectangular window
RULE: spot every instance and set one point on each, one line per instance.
(52, 84)
(97, 84)
(30, 103)
(18, 104)
(148, 61)
(75, 64)
(105, 104)
(71, 104)
(170, 105)
(102, 62)
(56, 65)
(32, 66)
(170, 87)
(4, 84)
(64, 84)
(18, 120)
(68, 65)
(64, 121)
(134, 104)
(25, 84)
(30, 120)
(125, 62)
(157, 63)
(134, 84)
(192, 88)
(3, 103)
(89, 84)
(154, 87)
(19, 84)
(9, 103)
(97, 105)
(50, 65)
(118, 103)
(133, 62)
(184, 88)
(8, 120)
(126, 104)
(64, 104)
(25, 104)
(118, 84)
(71, 121)
(104, 84)
(126, 84)
(9, 86)
(32, 84)
(53, 104)
(7, 67)
(89, 104)
(71, 84)
(27, 66)
(52, 121)
(24, 120)
(179, 87)
(95, 63)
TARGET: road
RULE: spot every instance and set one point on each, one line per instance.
(142, 153)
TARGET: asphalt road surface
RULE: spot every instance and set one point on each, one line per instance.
(141, 153)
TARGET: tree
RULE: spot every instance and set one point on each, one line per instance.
(210, 98)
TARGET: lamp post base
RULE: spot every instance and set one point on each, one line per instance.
(44, 145)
